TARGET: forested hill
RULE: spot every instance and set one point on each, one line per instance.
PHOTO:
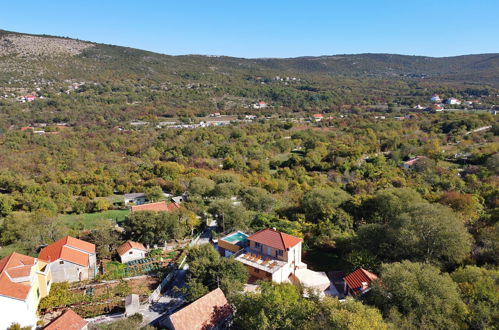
(53, 57)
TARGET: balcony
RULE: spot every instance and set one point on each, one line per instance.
(259, 261)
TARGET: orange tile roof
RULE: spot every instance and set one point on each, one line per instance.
(68, 320)
(275, 239)
(354, 280)
(15, 265)
(156, 207)
(203, 313)
(65, 249)
(128, 245)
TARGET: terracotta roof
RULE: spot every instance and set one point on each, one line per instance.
(127, 246)
(354, 280)
(15, 265)
(69, 320)
(318, 115)
(275, 239)
(159, 206)
(65, 249)
(203, 313)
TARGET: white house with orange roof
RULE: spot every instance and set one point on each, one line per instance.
(70, 259)
(24, 281)
(130, 251)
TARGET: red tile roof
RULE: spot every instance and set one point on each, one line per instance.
(156, 207)
(70, 249)
(69, 320)
(318, 115)
(354, 280)
(203, 313)
(15, 265)
(275, 239)
(127, 246)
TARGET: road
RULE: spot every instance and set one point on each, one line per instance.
(206, 235)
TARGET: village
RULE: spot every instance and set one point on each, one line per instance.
(142, 278)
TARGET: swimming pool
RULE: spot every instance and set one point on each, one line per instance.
(236, 237)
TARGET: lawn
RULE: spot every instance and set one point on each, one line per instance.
(324, 260)
(8, 249)
(90, 220)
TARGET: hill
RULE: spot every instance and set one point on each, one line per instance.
(163, 85)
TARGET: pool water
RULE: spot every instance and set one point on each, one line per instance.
(237, 237)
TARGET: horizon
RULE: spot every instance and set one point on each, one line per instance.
(247, 58)
(265, 31)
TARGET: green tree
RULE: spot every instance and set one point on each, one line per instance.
(201, 186)
(421, 294)
(322, 203)
(154, 194)
(479, 288)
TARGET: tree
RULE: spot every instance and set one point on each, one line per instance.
(322, 203)
(6, 204)
(425, 232)
(207, 271)
(276, 306)
(201, 186)
(258, 199)
(465, 204)
(230, 216)
(351, 315)
(106, 240)
(479, 288)
(421, 294)
(154, 194)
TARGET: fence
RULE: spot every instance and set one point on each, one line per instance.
(157, 292)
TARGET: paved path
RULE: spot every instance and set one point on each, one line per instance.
(206, 235)
(170, 300)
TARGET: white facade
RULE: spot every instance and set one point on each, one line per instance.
(17, 311)
(133, 254)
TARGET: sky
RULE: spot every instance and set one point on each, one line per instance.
(271, 28)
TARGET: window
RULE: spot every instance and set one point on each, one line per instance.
(258, 245)
(38, 293)
(61, 262)
(278, 253)
(131, 252)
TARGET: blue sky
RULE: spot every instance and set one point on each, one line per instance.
(271, 28)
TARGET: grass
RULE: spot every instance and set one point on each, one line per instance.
(325, 260)
(90, 220)
(8, 249)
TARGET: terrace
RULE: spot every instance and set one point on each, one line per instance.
(260, 261)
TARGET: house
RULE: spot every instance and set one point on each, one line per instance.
(232, 243)
(408, 164)
(419, 107)
(211, 311)
(260, 105)
(435, 98)
(452, 100)
(27, 128)
(68, 320)
(179, 199)
(156, 207)
(70, 259)
(24, 281)
(130, 251)
(135, 198)
(318, 117)
(272, 255)
(359, 282)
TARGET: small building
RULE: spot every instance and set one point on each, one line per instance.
(232, 243)
(260, 105)
(68, 320)
(408, 164)
(24, 281)
(70, 259)
(419, 107)
(179, 199)
(452, 100)
(130, 251)
(318, 117)
(359, 282)
(156, 207)
(211, 311)
(132, 304)
(135, 198)
(435, 98)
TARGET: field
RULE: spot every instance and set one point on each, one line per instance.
(90, 220)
